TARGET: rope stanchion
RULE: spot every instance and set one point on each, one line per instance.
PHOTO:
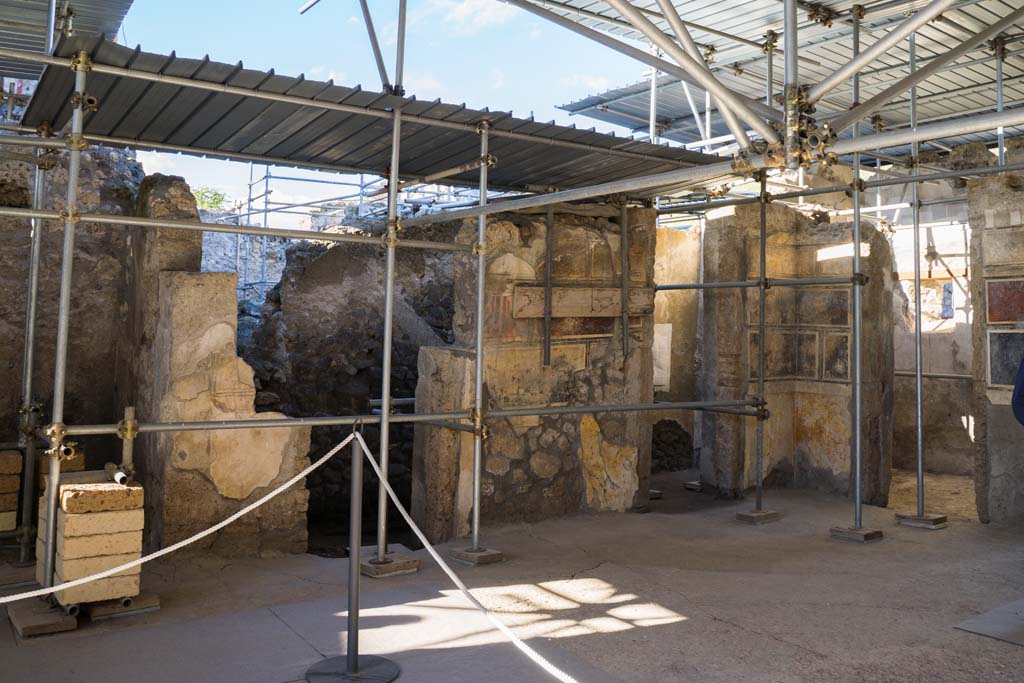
(498, 623)
(188, 541)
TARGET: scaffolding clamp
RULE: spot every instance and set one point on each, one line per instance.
(85, 101)
(857, 185)
(489, 160)
(860, 279)
(44, 130)
(741, 164)
(81, 62)
(771, 40)
(76, 142)
(29, 420)
(764, 283)
(483, 127)
(71, 216)
(822, 15)
(857, 11)
(479, 248)
(127, 429)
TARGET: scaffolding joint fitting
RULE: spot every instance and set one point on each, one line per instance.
(764, 283)
(860, 279)
(127, 430)
(763, 413)
(76, 142)
(483, 127)
(489, 160)
(741, 164)
(71, 216)
(81, 62)
(857, 11)
(857, 185)
(771, 41)
(821, 15)
(85, 101)
(44, 130)
(479, 248)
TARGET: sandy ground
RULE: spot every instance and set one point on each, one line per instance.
(683, 593)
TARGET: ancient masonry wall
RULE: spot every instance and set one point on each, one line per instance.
(536, 467)
(179, 363)
(318, 349)
(808, 439)
(996, 206)
(109, 183)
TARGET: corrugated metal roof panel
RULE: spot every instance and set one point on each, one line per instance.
(228, 123)
(968, 86)
(24, 28)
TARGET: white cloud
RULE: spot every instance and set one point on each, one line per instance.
(323, 73)
(424, 84)
(466, 17)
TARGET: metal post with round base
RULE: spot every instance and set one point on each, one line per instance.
(371, 669)
(354, 666)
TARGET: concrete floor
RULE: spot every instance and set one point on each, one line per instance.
(684, 593)
(948, 494)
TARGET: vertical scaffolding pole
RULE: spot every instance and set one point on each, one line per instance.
(792, 88)
(1000, 51)
(391, 242)
(624, 277)
(857, 532)
(55, 431)
(478, 365)
(263, 241)
(759, 515)
(920, 519)
(29, 412)
(549, 243)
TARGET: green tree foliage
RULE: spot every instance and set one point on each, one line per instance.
(209, 198)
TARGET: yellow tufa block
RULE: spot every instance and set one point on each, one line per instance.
(104, 497)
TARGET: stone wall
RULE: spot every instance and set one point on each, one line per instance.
(318, 347)
(178, 364)
(536, 467)
(808, 439)
(996, 206)
(109, 182)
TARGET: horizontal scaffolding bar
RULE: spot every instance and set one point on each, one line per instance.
(375, 402)
(707, 205)
(934, 375)
(128, 221)
(623, 408)
(745, 284)
(269, 423)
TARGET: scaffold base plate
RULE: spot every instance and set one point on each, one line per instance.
(372, 669)
(479, 556)
(759, 516)
(843, 533)
(925, 521)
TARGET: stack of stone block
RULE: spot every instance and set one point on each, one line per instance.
(10, 483)
(99, 526)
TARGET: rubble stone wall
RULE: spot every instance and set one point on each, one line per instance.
(808, 438)
(542, 466)
(996, 206)
(109, 182)
(318, 348)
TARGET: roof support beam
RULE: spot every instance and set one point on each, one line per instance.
(385, 82)
(864, 110)
(698, 69)
(878, 48)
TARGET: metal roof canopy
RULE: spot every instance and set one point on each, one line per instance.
(23, 27)
(965, 87)
(246, 123)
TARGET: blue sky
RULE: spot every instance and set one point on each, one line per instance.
(481, 52)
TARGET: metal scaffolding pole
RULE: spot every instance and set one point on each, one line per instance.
(56, 431)
(549, 245)
(476, 553)
(862, 111)
(29, 411)
(378, 58)
(391, 243)
(791, 94)
(920, 520)
(759, 515)
(624, 278)
(263, 239)
(1000, 55)
(857, 532)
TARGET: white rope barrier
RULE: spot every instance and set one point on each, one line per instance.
(188, 541)
(498, 623)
